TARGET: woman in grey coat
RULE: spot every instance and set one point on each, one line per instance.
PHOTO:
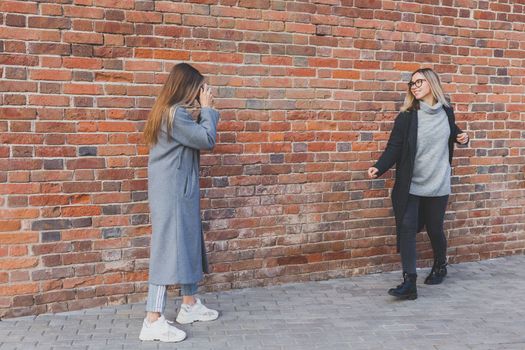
(177, 254)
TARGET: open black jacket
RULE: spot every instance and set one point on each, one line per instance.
(401, 150)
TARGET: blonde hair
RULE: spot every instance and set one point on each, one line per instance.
(411, 103)
(180, 89)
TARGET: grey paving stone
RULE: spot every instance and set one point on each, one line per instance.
(480, 306)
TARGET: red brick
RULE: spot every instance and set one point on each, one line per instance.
(48, 100)
(18, 60)
(18, 250)
(142, 66)
(143, 17)
(80, 258)
(9, 225)
(13, 20)
(17, 86)
(83, 38)
(81, 211)
(18, 289)
(18, 237)
(346, 74)
(47, 74)
(17, 201)
(77, 187)
(83, 12)
(17, 263)
(115, 289)
(23, 300)
(31, 34)
(51, 9)
(14, 100)
(19, 213)
(116, 127)
(83, 89)
(49, 22)
(16, 73)
(68, 235)
(114, 27)
(121, 4)
(18, 7)
(83, 63)
(407, 66)
(85, 163)
(114, 77)
(54, 296)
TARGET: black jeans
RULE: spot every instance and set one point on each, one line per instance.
(433, 211)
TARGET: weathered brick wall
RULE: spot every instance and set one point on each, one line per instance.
(307, 92)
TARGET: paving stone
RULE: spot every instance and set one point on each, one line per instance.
(480, 306)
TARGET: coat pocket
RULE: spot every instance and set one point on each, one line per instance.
(187, 186)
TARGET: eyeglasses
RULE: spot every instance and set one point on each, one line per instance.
(417, 83)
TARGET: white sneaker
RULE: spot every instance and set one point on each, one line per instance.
(161, 330)
(196, 312)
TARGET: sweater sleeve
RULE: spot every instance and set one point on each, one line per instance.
(393, 148)
(199, 135)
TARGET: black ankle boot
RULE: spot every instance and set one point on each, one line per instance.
(438, 272)
(407, 289)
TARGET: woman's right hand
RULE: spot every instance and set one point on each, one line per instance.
(372, 172)
(205, 97)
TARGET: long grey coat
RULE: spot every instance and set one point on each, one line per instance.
(178, 254)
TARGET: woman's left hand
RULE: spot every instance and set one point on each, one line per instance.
(462, 138)
(206, 98)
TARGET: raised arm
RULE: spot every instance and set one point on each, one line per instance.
(200, 135)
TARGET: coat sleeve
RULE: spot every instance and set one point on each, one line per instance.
(393, 148)
(199, 135)
(456, 131)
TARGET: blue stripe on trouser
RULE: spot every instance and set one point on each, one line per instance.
(157, 295)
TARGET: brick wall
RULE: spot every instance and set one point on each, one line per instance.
(307, 91)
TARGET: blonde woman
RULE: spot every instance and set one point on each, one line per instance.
(177, 247)
(421, 145)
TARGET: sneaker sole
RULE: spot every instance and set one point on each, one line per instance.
(183, 321)
(143, 338)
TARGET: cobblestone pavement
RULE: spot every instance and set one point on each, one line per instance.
(480, 306)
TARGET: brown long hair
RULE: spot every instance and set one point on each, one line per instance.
(180, 89)
(432, 78)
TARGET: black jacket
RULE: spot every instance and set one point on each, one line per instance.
(401, 151)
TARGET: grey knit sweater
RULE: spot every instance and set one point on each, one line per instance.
(431, 176)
